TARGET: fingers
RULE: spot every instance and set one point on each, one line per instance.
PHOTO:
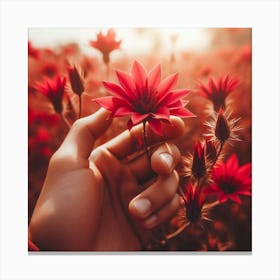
(163, 161)
(127, 142)
(78, 144)
(158, 202)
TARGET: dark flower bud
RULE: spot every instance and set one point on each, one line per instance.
(222, 129)
(76, 81)
(198, 164)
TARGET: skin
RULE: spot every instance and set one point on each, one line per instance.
(87, 202)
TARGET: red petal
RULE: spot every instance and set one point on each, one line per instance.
(126, 82)
(139, 74)
(182, 113)
(155, 126)
(122, 111)
(232, 164)
(106, 102)
(162, 113)
(154, 77)
(235, 198)
(116, 90)
(137, 118)
(173, 96)
(167, 84)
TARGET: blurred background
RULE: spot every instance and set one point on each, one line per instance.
(196, 54)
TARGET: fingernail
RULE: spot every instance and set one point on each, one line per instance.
(150, 222)
(142, 206)
(167, 159)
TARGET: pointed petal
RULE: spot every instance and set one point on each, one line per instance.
(137, 118)
(232, 164)
(167, 84)
(154, 77)
(173, 96)
(126, 82)
(106, 102)
(182, 112)
(235, 198)
(155, 126)
(121, 111)
(139, 74)
(162, 113)
(116, 90)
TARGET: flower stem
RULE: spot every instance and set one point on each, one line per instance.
(218, 154)
(145, 140)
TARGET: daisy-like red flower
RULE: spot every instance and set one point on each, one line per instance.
(217, 91)
(106, 43)
(145, 97)
(231, 180)
(53, 90)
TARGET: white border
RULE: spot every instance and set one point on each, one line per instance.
(262, 16)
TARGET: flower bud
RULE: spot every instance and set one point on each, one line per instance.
(76, 81)
(222, 129)
(198, 164)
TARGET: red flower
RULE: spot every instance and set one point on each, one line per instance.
(230, 180)
(217, 91)
(53, 90)
(145, 97)
(106, 44)
(32, 51)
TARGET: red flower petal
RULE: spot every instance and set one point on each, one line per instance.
(137, 118)
(106, 102)
(139, 74)
(154, 77)
(232, 164)
(155, 126)
(116, 90)
(162, 113)
(126, 82)
(182, 112)
(166, 85)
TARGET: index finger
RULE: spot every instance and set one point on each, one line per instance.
(127, 142)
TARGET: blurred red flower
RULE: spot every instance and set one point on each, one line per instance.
(53, 90)
(33, 52)
(106, 43)
(231, 180)
(145, 97)
(217, 91)
(198, 163)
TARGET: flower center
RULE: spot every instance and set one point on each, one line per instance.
(146, 102)
(228, 187)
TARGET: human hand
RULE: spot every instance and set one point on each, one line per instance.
(112, 203)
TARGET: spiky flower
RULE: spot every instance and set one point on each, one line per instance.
(196, 210)
(222, 128)
(198, 162)
(145, 98)
(218, 90)
(231, 180)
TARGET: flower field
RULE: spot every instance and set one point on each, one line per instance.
(208, 86)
